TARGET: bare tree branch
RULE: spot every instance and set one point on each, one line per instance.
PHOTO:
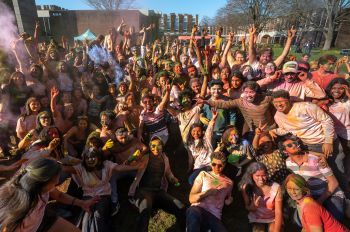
(110, 4)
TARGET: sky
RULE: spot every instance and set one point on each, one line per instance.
(200, 7)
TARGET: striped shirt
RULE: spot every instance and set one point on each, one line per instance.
(312, 172)
(155, 123)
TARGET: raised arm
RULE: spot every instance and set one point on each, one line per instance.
(36, 34)
(208, 136)
(120, 27)
(22, 67)
(204, 87)
(291, 35)
(243, 46)
(165, 99)
(193, 34)
(251, 45)
(54, 94)
(227, 49)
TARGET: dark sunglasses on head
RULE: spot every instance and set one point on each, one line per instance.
(290, 145)
(218, 165)
(303, 69)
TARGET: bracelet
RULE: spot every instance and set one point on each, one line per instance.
(73, 201)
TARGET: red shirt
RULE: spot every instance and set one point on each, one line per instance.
(323, 80)
(313, 214)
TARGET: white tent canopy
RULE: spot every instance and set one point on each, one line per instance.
(87, 35)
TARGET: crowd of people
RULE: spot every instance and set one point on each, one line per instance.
(275, 128)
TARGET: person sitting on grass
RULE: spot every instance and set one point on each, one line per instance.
(210, 191)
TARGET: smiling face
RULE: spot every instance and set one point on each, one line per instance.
(337, 91)
(265, 57)
(290, 77)
(18, 79)
(260, 178)
(239, 58)
(249, 94)
(294, 191)
(82, 124)
(196, 87)
(45, 120)
(130, 100)
(122, 88)
(217, 166)
(236, 83)
(233, 137)
(156, 147)
(197, 133)
(91, 160)
(270, 68)
(291, 147)
(149, 104)
(224, 74)
(215, 73)
(34, 106)
(282, 105)
(215, 91)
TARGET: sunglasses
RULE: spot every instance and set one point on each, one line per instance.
(45, 117)
(290, 145)
(217, 165)
(289, 74)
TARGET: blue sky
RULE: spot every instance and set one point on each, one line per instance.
(200, 7)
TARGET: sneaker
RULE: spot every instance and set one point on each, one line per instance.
(115, 208)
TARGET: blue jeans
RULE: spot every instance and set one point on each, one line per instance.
(198, 219)
(195, 173)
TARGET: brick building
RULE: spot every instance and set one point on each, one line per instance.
(56, 21)
(177, 24)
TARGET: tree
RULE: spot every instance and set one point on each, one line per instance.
(325, 16)
(110, 4)
(257, 12)
(206, 21)
(337, 12)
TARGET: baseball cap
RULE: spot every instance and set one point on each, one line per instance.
(290, 67)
